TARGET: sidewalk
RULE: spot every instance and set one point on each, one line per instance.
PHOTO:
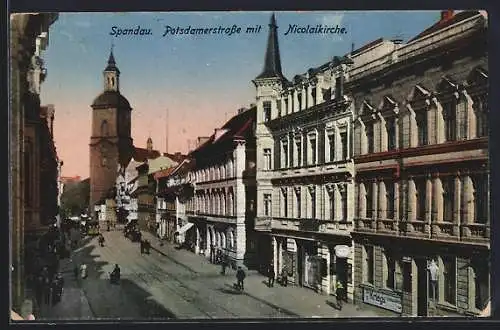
(293, 300)
(74, 303)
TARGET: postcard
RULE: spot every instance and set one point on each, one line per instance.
(249, 165)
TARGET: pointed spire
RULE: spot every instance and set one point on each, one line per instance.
(111, 61)
(272, 64)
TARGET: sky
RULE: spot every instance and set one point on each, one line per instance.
(201, 79)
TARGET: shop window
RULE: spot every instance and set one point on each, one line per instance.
(368, 264)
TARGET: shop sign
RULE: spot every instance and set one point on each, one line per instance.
(383, 300)
(342, 251)
(291, 245)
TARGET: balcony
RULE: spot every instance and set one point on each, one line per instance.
(439, 231)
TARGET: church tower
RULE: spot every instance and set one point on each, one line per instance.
(111, 145)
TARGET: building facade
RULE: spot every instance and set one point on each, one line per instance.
(305, 172)
(222, 208)
(421, 234)
(28, 40)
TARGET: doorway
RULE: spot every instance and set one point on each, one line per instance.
(422, 289)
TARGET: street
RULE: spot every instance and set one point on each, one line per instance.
(170, 283)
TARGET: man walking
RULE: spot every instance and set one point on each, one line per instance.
(271, 275)
(240, 277)
(224, 265)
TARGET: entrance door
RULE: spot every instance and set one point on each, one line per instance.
(422, 288)
(342, 271)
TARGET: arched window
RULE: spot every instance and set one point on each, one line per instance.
(104, 128)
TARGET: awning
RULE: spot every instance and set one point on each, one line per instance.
(185, 228)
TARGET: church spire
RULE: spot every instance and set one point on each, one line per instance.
(111, 74)
(272, 64)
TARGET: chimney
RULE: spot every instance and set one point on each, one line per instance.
(240, 110)
(446, 14)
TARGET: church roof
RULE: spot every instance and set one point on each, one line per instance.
(272, 64)
(111, 99)
(111, 63)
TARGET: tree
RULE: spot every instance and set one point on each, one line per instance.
(75, 198)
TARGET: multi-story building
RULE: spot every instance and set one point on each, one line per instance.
(305, 171)
(422, 237)
(222, 208)
(28, 40)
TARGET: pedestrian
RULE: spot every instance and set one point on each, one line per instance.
(240, 277)
(284, 277)
(271, 275)
(212, 253)
(142, 246)
(223, 265)
(339, 293)
(83, 271)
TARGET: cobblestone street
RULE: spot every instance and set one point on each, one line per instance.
(171, 283)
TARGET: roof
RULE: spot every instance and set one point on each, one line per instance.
(111, 99)
(442, 23)
(142, 154)
(177, 157)
(160, 163)
(236, 127)
(111, 63)
(164, 173)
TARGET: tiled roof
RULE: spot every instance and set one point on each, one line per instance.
(177, 157)
(235, 127)
(142, 154)
(442, 23)
(164, 173)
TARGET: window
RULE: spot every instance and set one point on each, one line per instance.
(312, 143)
(481, 107)
(278, 107)
(284, 159)
(343, 142)
(369, 137)
(286, 106)
(299, 99)
(357, 140)
(267, 110)
(331, 200)
(391, 134)
(312, 192)
(481, 287)
(450, 120)
(462, 108)
(421, 191)
(298, 203)
(104, 128)
(298, 151)
(448, 199)
(369, 199)
(267, 159)
(285, 202)
(449, 279)
(422, 128)
(313, 95)
(432, 125)
(389, 200)
(481, 200)
(343, 202)
(331, 146)
(267, 204)
(368, 264)
(390, 278)
(405, 132)
(338, 87)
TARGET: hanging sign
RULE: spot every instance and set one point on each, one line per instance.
(291, 245)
